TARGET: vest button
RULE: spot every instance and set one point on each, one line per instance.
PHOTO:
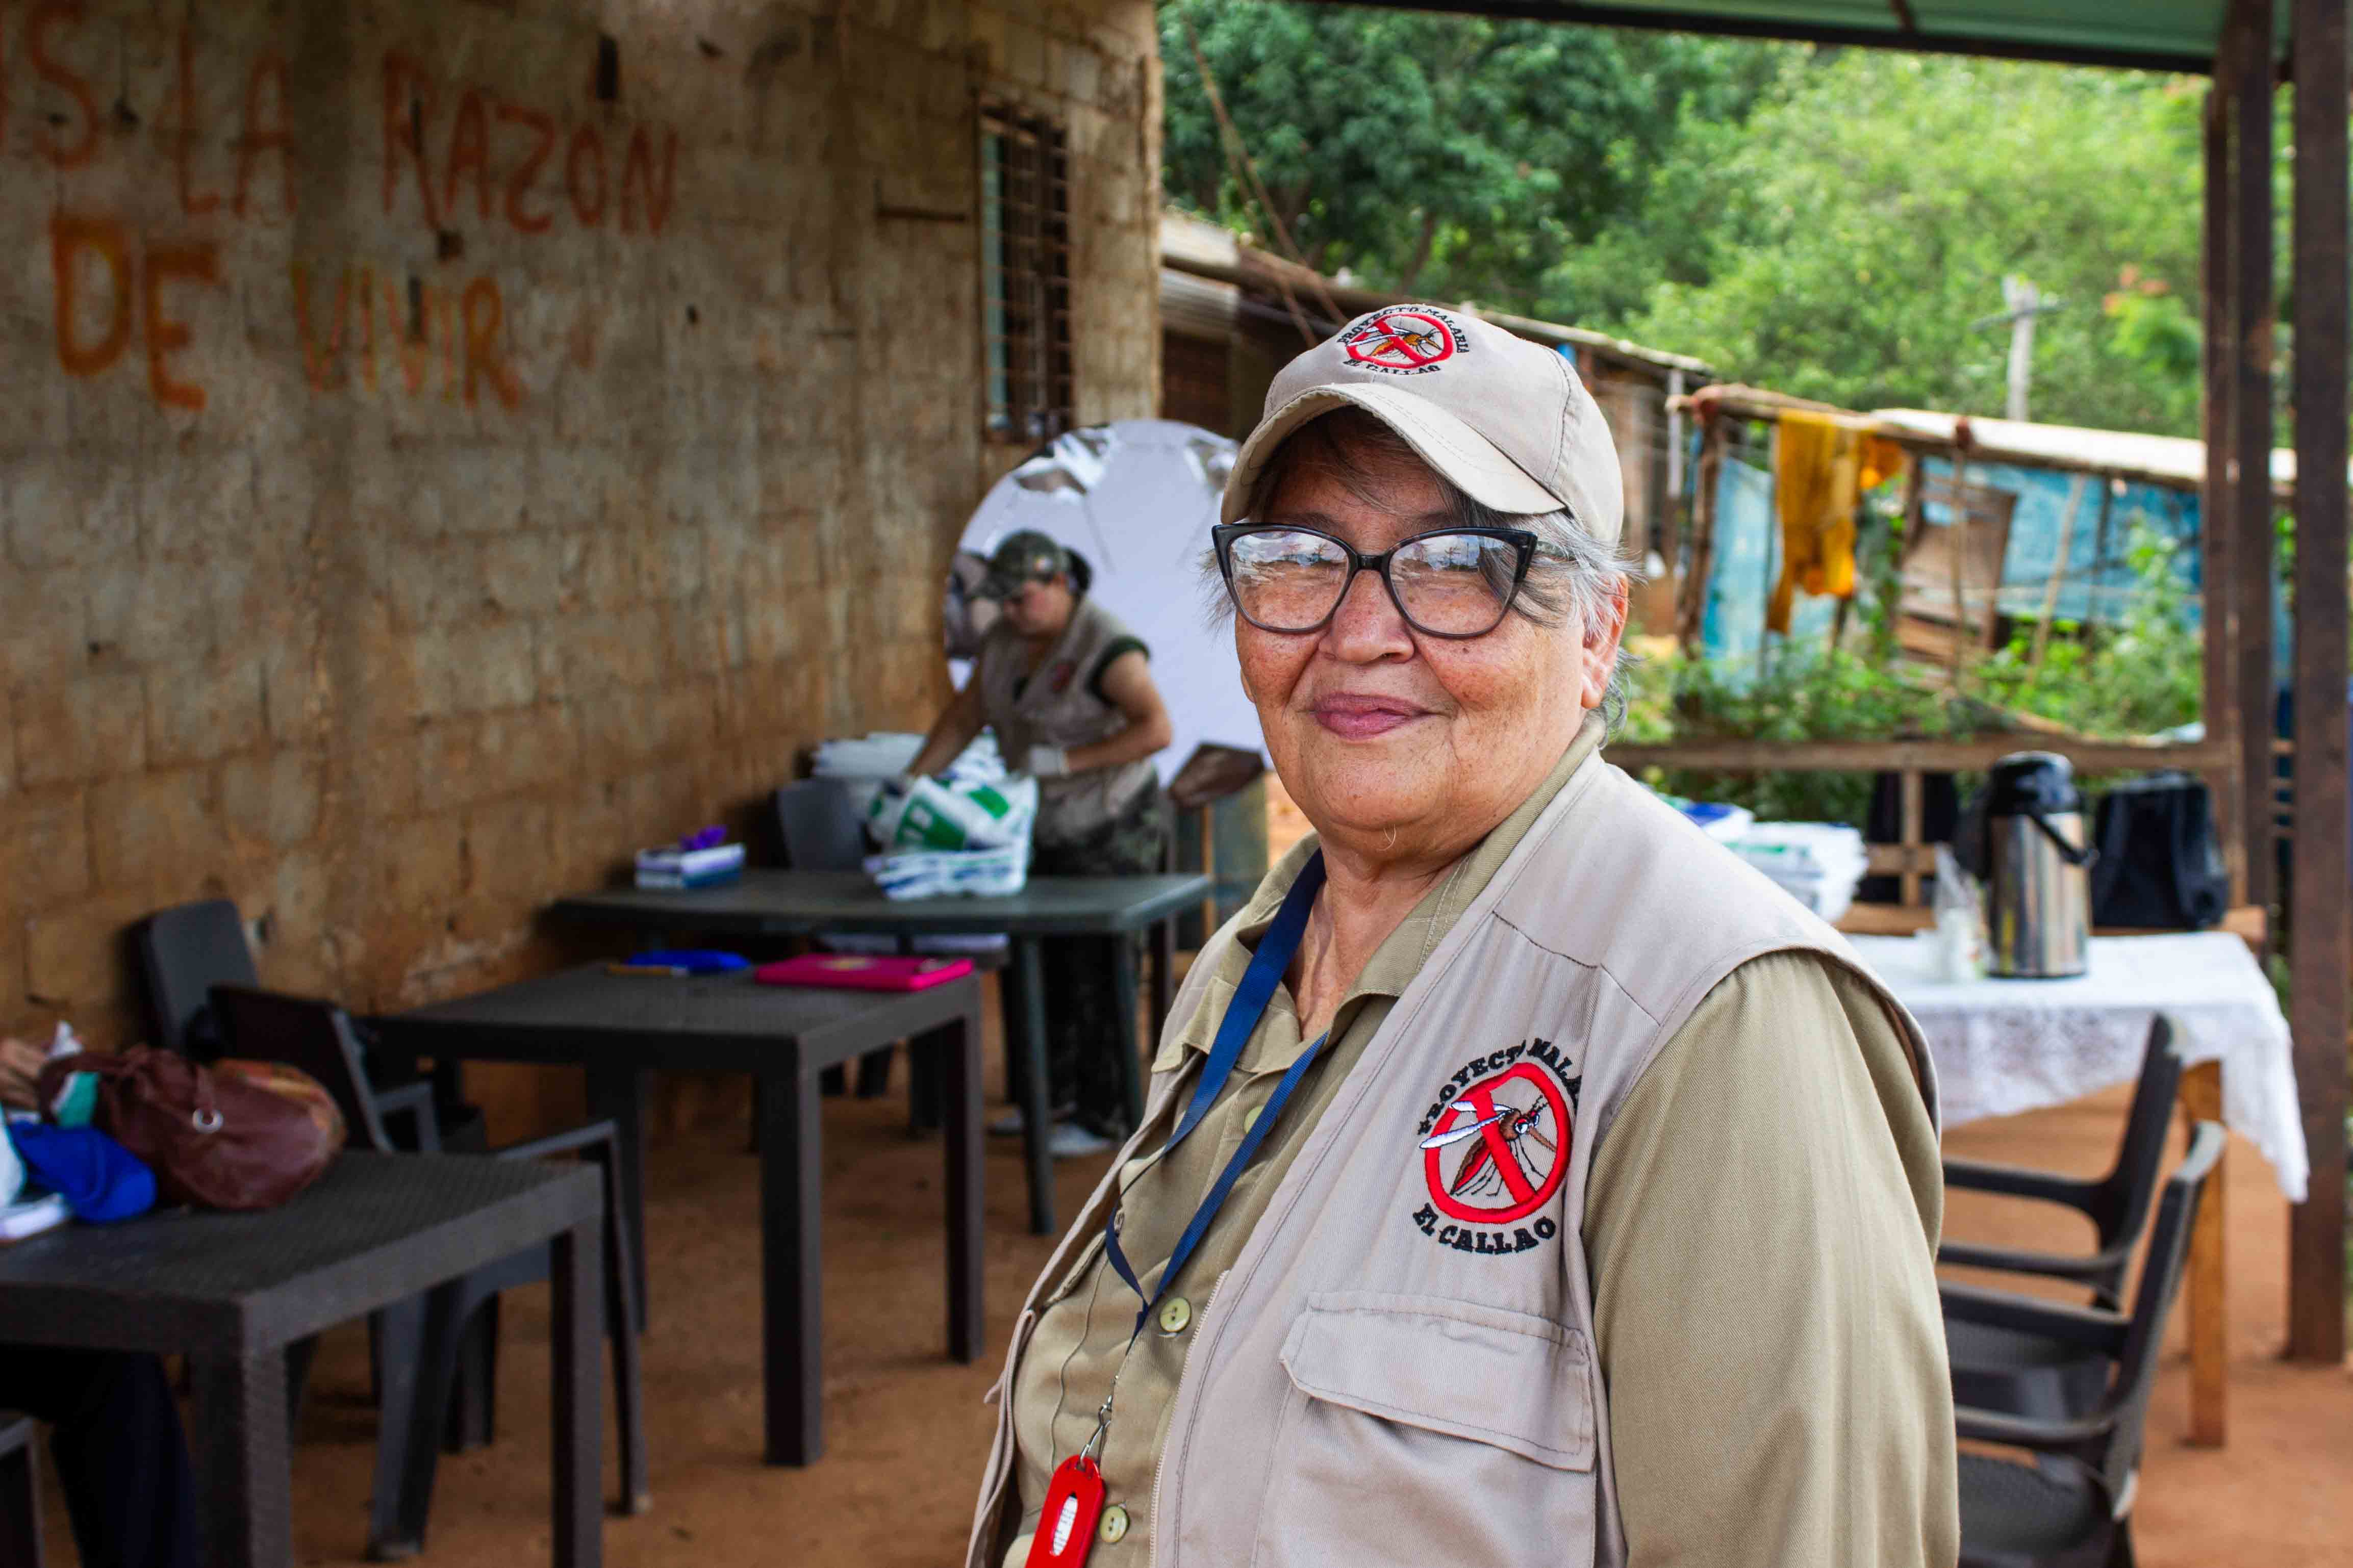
(1175, 1315)
(1250, 1118)
(1113, 1527)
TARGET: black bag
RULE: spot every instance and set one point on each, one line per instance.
(2160, 865)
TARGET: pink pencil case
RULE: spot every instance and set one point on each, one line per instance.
(863, 972)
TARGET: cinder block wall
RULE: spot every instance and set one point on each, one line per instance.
(448, 443)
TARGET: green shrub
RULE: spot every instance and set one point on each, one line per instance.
(2138, 678)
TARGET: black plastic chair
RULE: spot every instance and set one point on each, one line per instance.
(20, 1494)
(421, 1378)
(820, 828)
(2117, 1204)
(1994, 1369)
(186, 950)
(2072, 1504)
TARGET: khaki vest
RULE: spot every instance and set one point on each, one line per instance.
(1399, 1366)
(1056, 708)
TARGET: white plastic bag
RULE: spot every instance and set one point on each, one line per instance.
(959, 814)
(935, 874)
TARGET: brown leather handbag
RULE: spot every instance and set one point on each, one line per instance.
(237, 1135)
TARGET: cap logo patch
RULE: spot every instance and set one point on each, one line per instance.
(1403, 342)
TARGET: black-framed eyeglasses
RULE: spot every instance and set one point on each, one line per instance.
(1449, 583)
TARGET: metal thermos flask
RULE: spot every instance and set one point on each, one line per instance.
(2037, 869)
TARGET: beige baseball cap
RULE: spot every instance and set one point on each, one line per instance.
(1504, 418)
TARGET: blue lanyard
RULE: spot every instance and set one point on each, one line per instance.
(1266, 969)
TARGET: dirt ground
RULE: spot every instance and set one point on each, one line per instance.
(906, 1432)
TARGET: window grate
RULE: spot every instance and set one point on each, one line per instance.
(1026, 276)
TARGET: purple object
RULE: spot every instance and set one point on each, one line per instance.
(708, 838)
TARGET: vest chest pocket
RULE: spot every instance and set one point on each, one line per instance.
(1424, 1430)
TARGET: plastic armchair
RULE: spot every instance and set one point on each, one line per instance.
(184, 951)
(2073, 1504)
(188, 949)
(2117, 1204)
(440, 1353)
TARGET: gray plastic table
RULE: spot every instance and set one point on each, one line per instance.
(620, 1026)
(782, 903)
(233, 1292)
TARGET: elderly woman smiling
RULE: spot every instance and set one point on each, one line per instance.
(1526, 1181)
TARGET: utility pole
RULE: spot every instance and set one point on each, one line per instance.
(2025, 302)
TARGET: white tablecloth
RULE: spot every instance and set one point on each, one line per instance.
(2006, 1045)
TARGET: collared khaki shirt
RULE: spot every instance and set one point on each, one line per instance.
(1702, 1484)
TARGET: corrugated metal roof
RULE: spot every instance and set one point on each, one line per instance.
(1553, 334)
(1189, 240)
(2156, 35)
(2179, 30)
(1194, 249)
(2173, 461)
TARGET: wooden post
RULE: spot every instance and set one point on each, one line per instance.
(1911, 829)
(1916, 521)
(2058, 569)
(2100, 551)
(2209, 1278)
(1670, 540)
(1776, 552)
(2250, 416)
(2321, 948)
(1693, 615)
(2217, 693)
(1961, 559)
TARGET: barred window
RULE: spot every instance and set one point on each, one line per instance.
(1025, 246)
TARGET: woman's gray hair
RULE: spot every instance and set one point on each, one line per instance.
(1572, 580)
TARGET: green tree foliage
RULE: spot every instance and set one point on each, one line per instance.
(2143, 676)
(1831, 223)
(1447, 156)
(1842, 241)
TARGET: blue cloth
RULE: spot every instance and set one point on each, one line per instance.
(693, 960)
(101, 1180)
(2098, 585)
(1747, 564)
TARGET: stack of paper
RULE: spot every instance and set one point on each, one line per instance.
(676, 868)
(1820, 864)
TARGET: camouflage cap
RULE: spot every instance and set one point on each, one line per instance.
(1025, 555)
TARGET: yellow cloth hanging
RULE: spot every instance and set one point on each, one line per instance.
(1822, 463)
